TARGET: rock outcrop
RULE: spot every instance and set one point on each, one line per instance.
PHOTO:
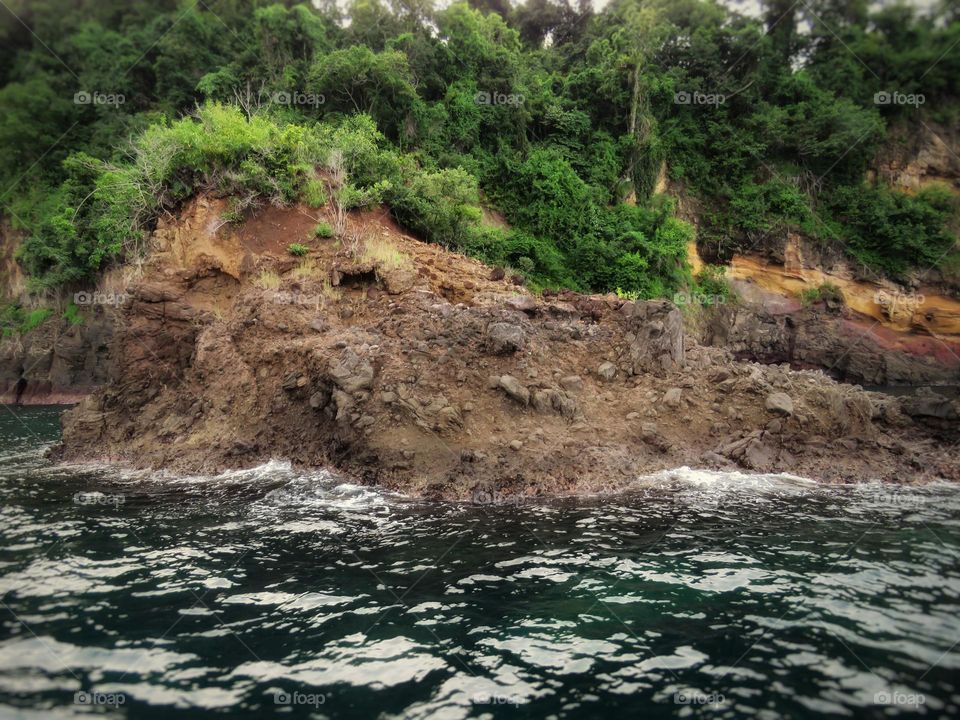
(57, 363)
(456, 379)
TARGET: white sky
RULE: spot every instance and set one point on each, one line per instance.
(752, 7)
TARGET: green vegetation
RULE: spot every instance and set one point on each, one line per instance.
(825, 292)
(298, 250)
(16, 320)
(323, 230)
(561, 118)
(711, 284)
(72, 315)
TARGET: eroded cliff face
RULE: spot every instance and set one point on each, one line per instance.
(918, 155)
(880, 333)
(877, 334)
(403, 364)
(56, 364)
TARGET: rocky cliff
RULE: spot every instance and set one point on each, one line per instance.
(403, 364)
(58, 363)
(866, 330)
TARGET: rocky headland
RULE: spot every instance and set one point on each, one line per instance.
(405, 365)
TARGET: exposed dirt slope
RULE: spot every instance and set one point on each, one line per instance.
(406, 365)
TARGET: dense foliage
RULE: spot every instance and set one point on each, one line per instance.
(560, 118)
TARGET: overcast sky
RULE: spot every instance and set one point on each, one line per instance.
(752, 7)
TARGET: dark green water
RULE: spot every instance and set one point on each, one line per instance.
(275, 594)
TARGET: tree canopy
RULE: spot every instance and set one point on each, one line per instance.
(565, 119)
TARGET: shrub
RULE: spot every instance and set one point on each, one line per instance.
(385, 255)
(441, 205)
(72, 315)
(711, 283)
(267, 280)
(323, 230)
(825, 292)
(297, 250)
(891, 231)
(314, 194)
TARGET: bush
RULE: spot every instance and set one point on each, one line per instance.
(15, 320)
(711, 283)
(323, 230)
(440, 205)
(892, 231)
(826, 292)
(298, 250)
(314, 194)
(72, 315)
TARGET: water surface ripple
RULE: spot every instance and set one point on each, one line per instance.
(271, 592)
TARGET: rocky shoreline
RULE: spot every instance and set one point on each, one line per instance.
(431, 374)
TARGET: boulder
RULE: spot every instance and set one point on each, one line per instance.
(672, 397)
(930, 406)
(607, 371)
(657, 335)
(351, 373)
(515, 389)
(522, 303)
(505, 338)
(779, 403)
(572, 383)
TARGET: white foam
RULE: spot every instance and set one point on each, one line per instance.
(728, 480)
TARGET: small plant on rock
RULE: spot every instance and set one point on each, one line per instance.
(298, 250)
(267, 280)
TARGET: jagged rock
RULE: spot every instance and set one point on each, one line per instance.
(672, 397)
(572, 383)
(541, 400)
(607, 371)
(320, 399)
(514, 389)
(293, 381)
(930, 406)
(522, 303)
(651, 435)
(758, 455)
(657, 329)
(505, 338)
(351, 373)
(779, 403)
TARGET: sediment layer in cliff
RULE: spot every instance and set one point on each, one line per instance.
(403, 364)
